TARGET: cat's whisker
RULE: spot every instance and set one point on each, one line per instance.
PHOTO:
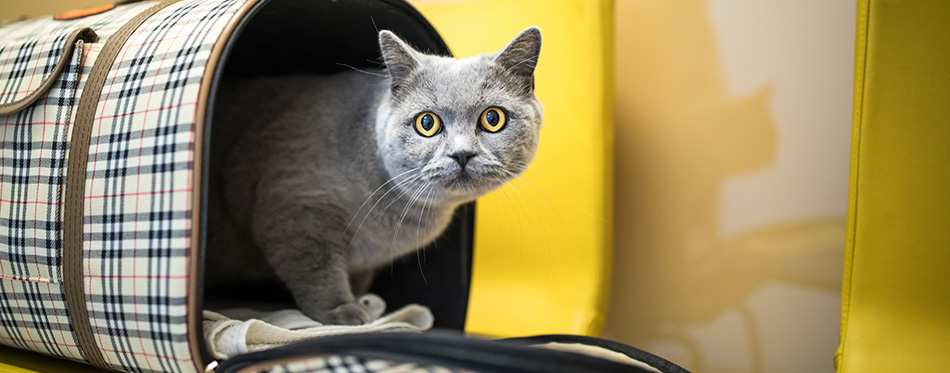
(421, 271)
(405, 210)
(392, 245)
(418, 226)
(520, 165)
(411, 179)
(403, 187)
(517, 218)
(402, 193)
(559, 238)
(548, 199)
(544, 224)
(514, 212)
(518, 203)
(361, 71)
(371, 196)
(425, 202)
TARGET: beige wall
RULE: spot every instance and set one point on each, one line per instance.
(733, 125)
(733, 120)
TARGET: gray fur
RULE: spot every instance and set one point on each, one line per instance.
(331, 181)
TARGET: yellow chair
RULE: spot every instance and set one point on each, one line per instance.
(542, 246)
(896, 292)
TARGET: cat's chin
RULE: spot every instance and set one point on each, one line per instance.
(466, 187)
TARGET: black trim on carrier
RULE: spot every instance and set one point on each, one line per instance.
(652, 360)
(434, 349)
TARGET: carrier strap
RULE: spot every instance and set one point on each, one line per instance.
(72, 252)
(85, 34)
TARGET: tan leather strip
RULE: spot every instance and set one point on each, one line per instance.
(85, 34)
(72, 253)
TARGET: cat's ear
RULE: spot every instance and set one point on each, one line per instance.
(400, 59)
(520, 57)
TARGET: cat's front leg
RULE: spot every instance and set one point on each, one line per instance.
(301, 242)
(322, 291)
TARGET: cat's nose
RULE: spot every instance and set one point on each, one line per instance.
(462, 157)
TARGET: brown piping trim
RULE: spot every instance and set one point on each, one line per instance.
(195, 336)
(85, 34)
(72, 253)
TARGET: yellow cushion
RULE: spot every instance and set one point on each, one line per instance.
(896, 292)
(541, 260)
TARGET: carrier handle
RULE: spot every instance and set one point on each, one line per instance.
(85, 34)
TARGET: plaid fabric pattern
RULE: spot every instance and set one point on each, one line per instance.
(26, 63)
(33, 145)
(138, 199)
(350, 364)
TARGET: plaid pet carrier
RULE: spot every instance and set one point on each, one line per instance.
(105, 123)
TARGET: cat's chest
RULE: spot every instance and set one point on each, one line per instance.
(396, 231)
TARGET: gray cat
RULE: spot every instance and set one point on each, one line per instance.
(337, 175)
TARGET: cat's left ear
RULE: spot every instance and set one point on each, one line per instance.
(400, 60)
(520, 57)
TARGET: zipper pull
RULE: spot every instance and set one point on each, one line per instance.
(211, 366)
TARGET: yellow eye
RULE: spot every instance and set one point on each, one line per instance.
(493, 119)
(428, 124)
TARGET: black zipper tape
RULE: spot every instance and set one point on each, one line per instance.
(436, 349)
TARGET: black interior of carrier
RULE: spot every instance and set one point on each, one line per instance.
(324, 36)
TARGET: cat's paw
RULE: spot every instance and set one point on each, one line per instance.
(345, 314)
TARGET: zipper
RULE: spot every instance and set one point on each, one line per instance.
(436, 349)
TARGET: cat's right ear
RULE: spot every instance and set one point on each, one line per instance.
(400, 60)
(520, 57)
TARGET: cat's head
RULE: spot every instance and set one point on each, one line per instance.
(459, 128)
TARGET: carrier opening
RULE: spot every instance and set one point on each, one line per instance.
(321, 37)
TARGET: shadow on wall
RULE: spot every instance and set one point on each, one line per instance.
(679, 137)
